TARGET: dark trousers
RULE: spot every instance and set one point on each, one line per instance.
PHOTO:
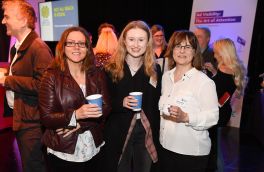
(171, 161)
(31, 149)
(136, 157)
(212, 159)
(56, 164)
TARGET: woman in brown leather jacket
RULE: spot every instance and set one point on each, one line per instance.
(73, 134)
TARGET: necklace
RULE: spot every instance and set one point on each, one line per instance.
(135, 69)
(134, 64)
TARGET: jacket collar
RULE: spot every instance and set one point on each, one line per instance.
(188, 75)
(28, 40)
(23, 47)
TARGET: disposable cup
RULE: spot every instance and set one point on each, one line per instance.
(138, 96)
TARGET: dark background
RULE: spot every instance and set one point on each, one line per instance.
(172, 17)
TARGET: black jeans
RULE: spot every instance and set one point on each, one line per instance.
(171, 161)
(136, 157)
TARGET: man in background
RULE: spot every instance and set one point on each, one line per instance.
(203, 35)
(29, 58)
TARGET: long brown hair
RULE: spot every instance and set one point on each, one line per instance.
(60, 58)
(116, 64)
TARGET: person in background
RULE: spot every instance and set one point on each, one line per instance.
(74, 129)
(90, 37)
(106, 25)
(230, 78)
(160, 46)
(188, 106)
(106, 44)
(203, 35)
(261, 80)
(29, 58)
(262, 84)
(132, 136)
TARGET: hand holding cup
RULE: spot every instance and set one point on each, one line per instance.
(93, 108)
(138, 97)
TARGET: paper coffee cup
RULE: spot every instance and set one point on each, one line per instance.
(138, 96)
(95, 99)
(165, 109)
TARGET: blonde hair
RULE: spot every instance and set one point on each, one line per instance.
(26, 11)
(107, 42)
(229, 58)
(116, 64)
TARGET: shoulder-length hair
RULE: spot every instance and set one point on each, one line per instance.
(176, 38)
(60, 58)
(155, 28)
(227, 50)
(116, 64)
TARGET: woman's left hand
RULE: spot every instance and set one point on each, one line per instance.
(177, 115)
(129, 102)
(209, 66)
(66, 132)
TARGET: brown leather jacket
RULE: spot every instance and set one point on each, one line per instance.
(33, 57)
(59, 96)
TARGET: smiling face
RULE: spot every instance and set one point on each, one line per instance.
(13, 20)
(75, 47)
(183, 54)
(158, 39)
(136, 42)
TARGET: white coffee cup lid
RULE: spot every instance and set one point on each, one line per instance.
(94, 96)
(135, 93)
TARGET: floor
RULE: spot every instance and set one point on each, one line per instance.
(240, 152)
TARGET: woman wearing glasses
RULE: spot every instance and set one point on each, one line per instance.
(73, 134)
(160, 46)
(188, 107)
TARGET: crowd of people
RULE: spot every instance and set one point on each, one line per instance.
(176, 126)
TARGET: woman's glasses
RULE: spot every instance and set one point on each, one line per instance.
(73, 44)
(158, 36)
(185, 47)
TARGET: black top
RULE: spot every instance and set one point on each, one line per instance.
(161, 56)
(208, 56)
(224, 83)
